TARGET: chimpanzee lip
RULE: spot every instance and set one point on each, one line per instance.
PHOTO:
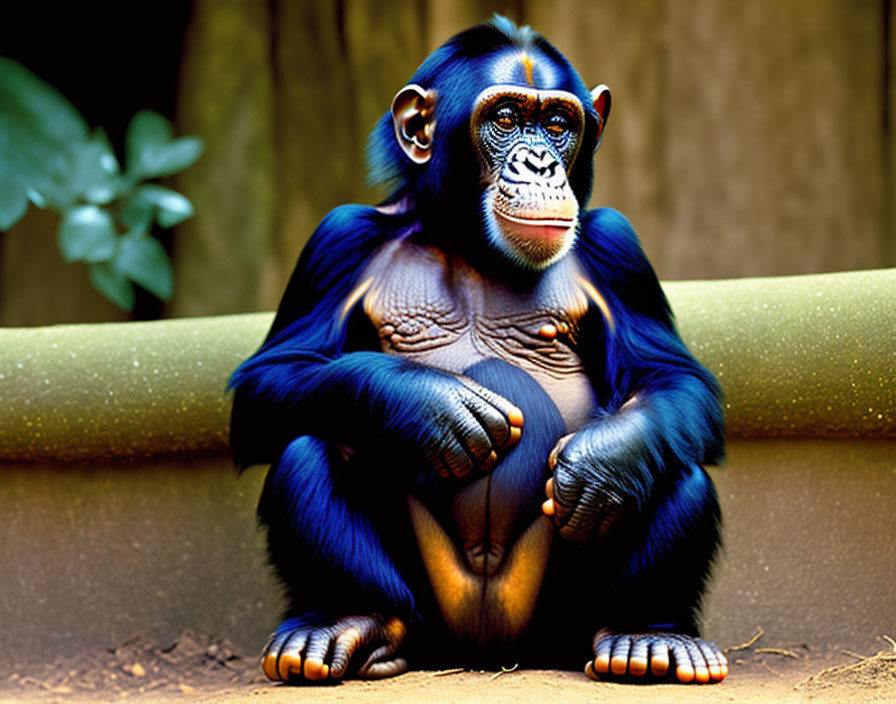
(564, 223)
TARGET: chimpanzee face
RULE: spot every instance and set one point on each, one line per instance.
(526, 123)
(527, 140)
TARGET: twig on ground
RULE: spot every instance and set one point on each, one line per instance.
(504, 671)
(446, 673)
(767, 667)
(744, 646)
(851, 654)
(778, 651)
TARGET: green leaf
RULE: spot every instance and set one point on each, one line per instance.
(86, 234)
(172, 207)
(40, 165)
(36, 197)
(13, 202)
(144, 261)
(106, 279)
(147, 133)
(96, 176)
(167, 160)
(29, 101)
(39, 130)
(136, 213)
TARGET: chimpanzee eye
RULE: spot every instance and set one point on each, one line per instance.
(557, 123)
(506, 116)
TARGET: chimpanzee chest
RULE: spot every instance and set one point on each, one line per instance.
(483, 540)
(437, 310)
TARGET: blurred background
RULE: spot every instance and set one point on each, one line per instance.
(747, 138)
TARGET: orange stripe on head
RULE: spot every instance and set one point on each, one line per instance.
(529, 66)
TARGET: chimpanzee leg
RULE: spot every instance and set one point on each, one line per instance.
(348, 602)
(658, 598)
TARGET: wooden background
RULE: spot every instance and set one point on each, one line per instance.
(748, 137)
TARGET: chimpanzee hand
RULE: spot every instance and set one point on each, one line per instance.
(457, 424)
(600, 473)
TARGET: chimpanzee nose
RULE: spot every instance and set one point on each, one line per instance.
(527, 163)
(539, 161)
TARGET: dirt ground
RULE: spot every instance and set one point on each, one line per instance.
(199, 669)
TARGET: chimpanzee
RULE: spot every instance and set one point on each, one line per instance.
(443, 363)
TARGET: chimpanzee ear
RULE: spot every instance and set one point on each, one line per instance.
(414, 118)
(600, 98)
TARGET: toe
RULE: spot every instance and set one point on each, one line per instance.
(315, 670)
(659, 657)
(698, 661)
(271, 653)
(620, 657)
(346, 645)
(269, 666)
(690, 666)
(716, 662)
(603, 649)
(387, 668)
(289, 665)
(638, 662)
(289, 659)
(315, 666)
(684, 668)
(282, 656)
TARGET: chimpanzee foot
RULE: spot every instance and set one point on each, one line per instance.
(656, 656)
(360, 645)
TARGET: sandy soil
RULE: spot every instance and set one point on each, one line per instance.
(199, 669)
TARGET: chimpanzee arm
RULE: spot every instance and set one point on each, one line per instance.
(303, 381)
(661, 408)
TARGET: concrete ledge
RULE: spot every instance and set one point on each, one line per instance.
(799, 356)
(120, 390)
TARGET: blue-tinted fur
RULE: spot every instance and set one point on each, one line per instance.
(278, 390)
(678, 400)
(302, 500)
(320, 379)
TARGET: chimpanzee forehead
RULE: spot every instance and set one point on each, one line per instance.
(525, 68)
(531, 100)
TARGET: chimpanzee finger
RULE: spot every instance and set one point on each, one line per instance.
(548, 508)
(502, 419)
(453, 456)
(572, 516)
(558, 448)
(474, 437)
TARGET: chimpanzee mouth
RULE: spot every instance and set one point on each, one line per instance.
(537, 228)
